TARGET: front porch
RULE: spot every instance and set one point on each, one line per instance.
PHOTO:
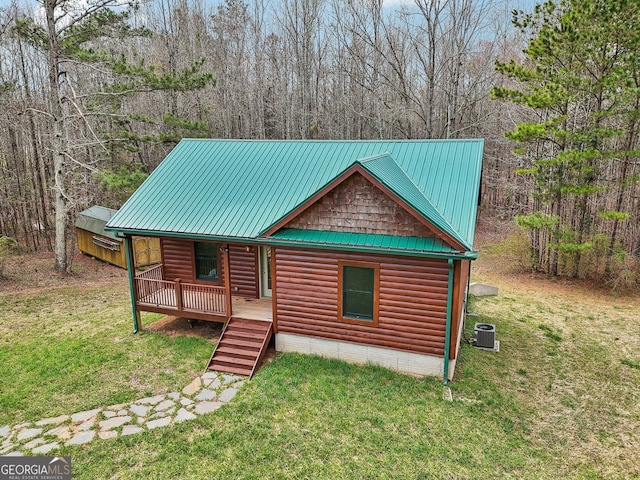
(202, 302)
(252, 308)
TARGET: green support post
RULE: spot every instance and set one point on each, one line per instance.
(447, 334)
(132, 289)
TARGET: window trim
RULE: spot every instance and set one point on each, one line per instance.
(376, 292)
(194, 269)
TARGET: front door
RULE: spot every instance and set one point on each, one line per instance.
(265, 272)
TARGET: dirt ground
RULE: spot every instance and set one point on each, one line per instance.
(174, 326)
(35, 271)
(501, 271)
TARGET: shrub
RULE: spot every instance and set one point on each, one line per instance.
(513, 254)
(623, 274)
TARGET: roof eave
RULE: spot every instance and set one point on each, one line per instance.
(458, 255)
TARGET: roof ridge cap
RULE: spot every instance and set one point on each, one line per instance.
(377, 156)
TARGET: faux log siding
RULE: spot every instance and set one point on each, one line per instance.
(461, 275)
(412, 303)
(177, 259)
(243, 270)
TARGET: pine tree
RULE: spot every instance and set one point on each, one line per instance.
(76, 34)
(579, 80)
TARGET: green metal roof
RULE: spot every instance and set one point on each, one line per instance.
(377, 241)
(239, 188)
(94, 219)
(390, 174)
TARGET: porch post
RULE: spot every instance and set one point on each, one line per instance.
(227, 280)
(178, 294)
(128, 245)
(274, 293)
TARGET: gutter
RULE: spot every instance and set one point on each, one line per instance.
(447, 335)
(462, 255)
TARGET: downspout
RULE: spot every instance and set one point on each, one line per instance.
(466, 294)
(447, 333)
(130, 272)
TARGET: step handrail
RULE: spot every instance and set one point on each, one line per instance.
(224, 329)
(267, 337)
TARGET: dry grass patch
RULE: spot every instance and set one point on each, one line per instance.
(566, 349)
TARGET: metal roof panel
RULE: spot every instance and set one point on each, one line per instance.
(351, 239)
(94, 219)
(238, 188)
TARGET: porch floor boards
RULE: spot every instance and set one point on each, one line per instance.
(241, 346)
(252, 308)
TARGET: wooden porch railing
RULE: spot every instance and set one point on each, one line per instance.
(156, 292)
(203, 298)
(153, 273)
(149, 282)
(152, 290)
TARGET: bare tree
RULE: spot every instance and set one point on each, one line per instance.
(290, 69)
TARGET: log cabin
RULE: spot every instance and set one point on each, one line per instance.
(356, 250)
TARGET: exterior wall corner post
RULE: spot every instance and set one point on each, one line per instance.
(227, 280)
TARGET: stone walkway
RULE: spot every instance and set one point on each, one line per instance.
(205, 394)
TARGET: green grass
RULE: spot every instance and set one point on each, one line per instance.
(630, 363)
(71, 349)
(307, 417)
(574, 390)
(549, 333)
(560, 399)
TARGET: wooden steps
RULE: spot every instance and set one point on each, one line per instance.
(241, 346)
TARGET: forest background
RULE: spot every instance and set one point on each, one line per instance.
(95, 93)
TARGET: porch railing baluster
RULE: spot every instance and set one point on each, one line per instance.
(153, 290)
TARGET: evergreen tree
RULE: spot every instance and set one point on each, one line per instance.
(85, 35)
(580, 81)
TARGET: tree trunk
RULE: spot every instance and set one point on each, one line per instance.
(53, 66)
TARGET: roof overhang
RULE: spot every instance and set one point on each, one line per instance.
(289, 242)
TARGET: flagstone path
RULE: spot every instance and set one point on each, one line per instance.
(205, 394)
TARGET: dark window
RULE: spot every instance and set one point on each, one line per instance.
(358, 287)
(206, 261)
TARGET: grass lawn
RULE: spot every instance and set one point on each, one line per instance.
(561, 399)
(66, 345)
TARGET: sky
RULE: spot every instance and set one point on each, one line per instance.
(524, 4)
